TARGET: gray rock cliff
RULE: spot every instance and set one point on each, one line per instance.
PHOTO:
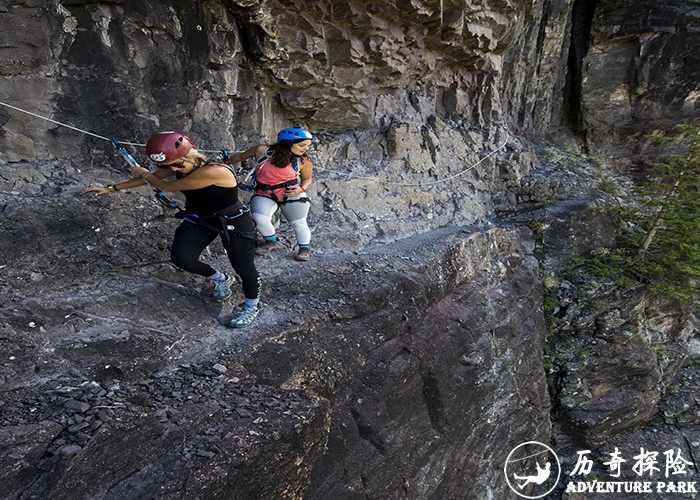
(460, 158)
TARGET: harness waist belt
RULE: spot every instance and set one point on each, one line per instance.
(259, 185)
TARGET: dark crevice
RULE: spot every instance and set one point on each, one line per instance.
(581, 24)
(367, 432)
(433, 400)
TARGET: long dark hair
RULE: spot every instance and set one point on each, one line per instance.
(282, 153)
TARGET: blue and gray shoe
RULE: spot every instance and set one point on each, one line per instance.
(222, 289)
(243, 318)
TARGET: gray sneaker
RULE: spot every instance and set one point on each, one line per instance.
(265, 248)
(243, 318)
(303, 255)
(222, 289)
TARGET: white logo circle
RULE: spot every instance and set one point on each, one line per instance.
(529, 468)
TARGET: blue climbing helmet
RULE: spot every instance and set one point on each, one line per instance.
(294, 134)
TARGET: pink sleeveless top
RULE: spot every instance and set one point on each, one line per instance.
(267, 173)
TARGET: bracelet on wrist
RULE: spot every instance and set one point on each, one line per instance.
(302, 188)
(112, 188)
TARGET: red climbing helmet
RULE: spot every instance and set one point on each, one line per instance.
(168, 146)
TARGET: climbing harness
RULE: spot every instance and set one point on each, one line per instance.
(252, 184)
(270, 191)
(221, 222)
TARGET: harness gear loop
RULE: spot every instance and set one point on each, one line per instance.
(221, 222)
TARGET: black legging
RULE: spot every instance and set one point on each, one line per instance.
(191, 240)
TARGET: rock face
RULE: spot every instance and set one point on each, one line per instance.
(410, 355)
(232, 73)
(337, 382)
(459, 362)
(613, 363)
(636, 76)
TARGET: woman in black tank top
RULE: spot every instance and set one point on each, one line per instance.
(212, 209)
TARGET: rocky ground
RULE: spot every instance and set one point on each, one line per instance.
(95, 348)
(87, 362)
(138, 368)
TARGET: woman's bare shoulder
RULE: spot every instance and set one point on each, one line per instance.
(259, 151)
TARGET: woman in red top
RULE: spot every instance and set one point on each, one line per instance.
(283, 173)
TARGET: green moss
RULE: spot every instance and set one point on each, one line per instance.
(609, 185)
(549, 304)
(549, 281)
(552, 324)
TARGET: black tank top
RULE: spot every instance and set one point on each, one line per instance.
(206, 201)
